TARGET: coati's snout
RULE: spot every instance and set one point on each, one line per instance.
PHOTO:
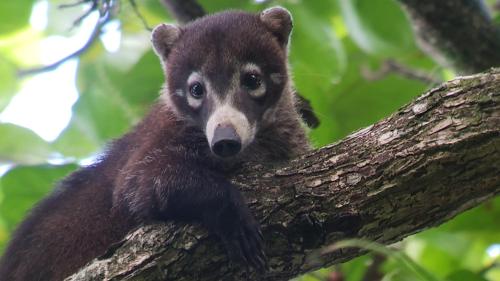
(226, 142)
(228, 129)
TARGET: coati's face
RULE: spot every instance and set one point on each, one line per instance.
(225, 73)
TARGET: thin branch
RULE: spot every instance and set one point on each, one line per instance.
(139, 15)
(392, 67)
(373, 272)
(105, 15)
(77, 3)
(79, 20)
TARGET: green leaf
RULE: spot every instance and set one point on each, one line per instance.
(140, 86)
(14, 15)
(101, 112)
(355, 269)
(8, 85)
(318, 60)
(354, 102)
(378, 27)
(60, 21)
(152, 11)
(22, 146)
(211, 6)
(478, 220)
(23, 186)
(398, 256)
(465, 275)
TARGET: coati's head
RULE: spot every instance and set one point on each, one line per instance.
(226, 73)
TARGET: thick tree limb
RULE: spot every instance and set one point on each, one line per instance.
(434, 158)
(456, 33)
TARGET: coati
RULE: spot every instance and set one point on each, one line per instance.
(227, 100)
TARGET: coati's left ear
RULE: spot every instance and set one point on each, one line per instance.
(278, 21)
(163, 38)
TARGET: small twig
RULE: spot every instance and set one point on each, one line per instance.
(105, 16)
(373, 271)
(139, 15)
(390, 66)
(79, 20)
(489, 267)
(71, 5)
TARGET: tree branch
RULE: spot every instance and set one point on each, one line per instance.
(390, 66)
(105, 8)
(457, 33)
(434, 158)
(184, 11)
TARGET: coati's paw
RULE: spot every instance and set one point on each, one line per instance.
(241, 236)
(245, 244)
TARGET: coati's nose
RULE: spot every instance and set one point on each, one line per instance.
(226, 141)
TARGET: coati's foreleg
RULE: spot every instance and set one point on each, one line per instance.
(193, 193)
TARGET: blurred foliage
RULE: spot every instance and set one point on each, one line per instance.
(334, 45)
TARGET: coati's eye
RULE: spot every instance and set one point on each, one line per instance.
(196, 90)
(251, 81)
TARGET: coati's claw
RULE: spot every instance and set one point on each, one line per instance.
(251, 243)
(243, 239)
(245, 246)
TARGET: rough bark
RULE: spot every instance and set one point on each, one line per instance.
(457, 33)
(429, 161)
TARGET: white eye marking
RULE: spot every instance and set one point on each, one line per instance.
(276, 78)
(194, 77)
(193, 102)
(179, 92)
(227, 114)
(257, 88)
(251, 67)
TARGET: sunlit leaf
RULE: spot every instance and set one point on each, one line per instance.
(101, 113)
(22, 146)
(14, 15)
(398, 256)
(22, 187)
(211, 6)
(8, 82)
(465, 275)
(378, 27)
(140, 86)
(151, 11)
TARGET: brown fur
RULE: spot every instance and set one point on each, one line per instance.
(163, 169)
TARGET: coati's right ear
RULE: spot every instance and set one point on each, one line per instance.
(278, 21)
(163, 38)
